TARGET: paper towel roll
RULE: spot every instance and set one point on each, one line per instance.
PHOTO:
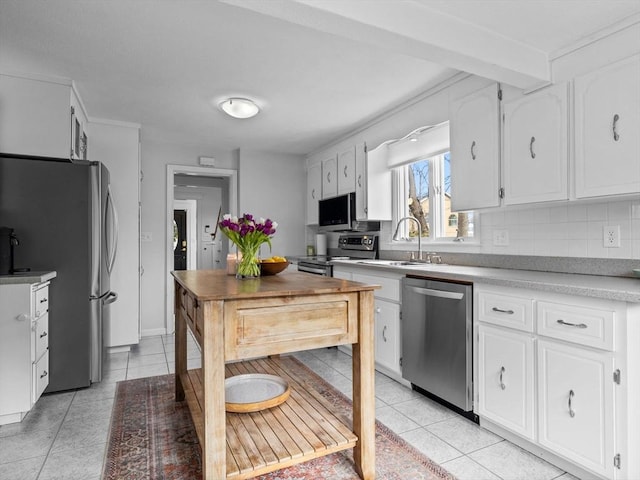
(321, 244)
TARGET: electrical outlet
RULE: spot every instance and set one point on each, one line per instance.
(146, 237)
(611, 236)
(501, 238)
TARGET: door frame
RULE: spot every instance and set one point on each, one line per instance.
(172, 170)
(191, 207)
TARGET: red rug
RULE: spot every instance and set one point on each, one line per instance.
(152, 437)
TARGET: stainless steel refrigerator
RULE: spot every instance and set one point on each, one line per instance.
(64, 217)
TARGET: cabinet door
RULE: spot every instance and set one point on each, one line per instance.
(361, 183)
(387, 339)
(506, 377)
(475, 150)
(329, 177)
(347, 171)
(576, 415)
(607, 122)
(314, 192)
(535, 157)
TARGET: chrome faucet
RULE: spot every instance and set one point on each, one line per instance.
(396, 237)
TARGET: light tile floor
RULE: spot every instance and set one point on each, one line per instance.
(64, 436)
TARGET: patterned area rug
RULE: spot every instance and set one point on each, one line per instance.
(152, 437)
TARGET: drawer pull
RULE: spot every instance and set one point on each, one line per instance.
(569, 324)
(572, 412)
(44, 374)
(43, 334)
(499, 310)
(502, 385)
(43, 300)
(384, 334)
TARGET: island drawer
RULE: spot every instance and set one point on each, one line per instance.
(284, 324)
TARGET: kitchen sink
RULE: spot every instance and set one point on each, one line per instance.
(398, 263)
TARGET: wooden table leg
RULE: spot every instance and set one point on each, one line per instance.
(180, 350)
(364, 415)
(214, 465)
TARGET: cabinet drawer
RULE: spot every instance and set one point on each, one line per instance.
(579, 324)
(390, 287)
(41, 337)
(41, 301)
(40, 376)
(506, 311)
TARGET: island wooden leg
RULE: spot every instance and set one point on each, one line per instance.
(214, 465)
(180, 350)
(364, 415)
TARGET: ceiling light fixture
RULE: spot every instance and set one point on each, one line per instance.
(240, 107)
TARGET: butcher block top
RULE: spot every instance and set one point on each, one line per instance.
(217, 285)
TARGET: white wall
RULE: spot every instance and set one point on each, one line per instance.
(117, 146)
(274, 186)
(155, 158)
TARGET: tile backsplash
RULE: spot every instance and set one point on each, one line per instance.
(570, 230)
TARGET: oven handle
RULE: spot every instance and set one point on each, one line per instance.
(307, 269)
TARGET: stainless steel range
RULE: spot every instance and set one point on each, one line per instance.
(350, 246)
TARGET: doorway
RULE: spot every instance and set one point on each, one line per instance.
(179, 239)
(231, 200)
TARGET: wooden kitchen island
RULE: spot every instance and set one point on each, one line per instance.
(234, 320)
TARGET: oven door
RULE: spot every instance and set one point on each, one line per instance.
(315, 268)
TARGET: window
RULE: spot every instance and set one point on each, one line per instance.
(424, 192)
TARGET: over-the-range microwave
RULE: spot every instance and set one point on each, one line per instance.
(337, 213)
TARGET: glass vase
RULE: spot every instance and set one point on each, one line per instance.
(248, 265)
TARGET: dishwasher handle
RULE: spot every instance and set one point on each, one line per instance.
(430, 292)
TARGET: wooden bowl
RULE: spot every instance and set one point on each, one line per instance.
(272, 268)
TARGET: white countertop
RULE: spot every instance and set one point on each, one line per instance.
(611, 288)
(27, 277)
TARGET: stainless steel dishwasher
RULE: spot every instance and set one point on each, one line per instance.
(437, 339)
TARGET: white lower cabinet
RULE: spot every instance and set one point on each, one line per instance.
(506, 376)
(24, 348)
(387, 338)
(576, 414)
(565, 385)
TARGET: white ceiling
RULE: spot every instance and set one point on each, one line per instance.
(318, 68)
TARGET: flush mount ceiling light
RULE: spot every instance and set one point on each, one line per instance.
(239, 107)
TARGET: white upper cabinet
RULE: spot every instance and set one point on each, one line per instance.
(535, 148)
(36, 118)
(372, 175)
(347, 171)
(329, 177)
(607, 126)
(475, 150)
(314, 192)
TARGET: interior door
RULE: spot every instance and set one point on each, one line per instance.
(179, 239)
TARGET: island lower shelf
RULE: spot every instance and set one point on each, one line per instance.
(301, 429)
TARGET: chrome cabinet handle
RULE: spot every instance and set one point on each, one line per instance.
(533, 155)
(328, 177)
(313, 193)
(43, 300)
(359, 180)
(43, 334)
(473, 153)
(44, 374)
(345, 171)
(384, 331)
(568, 324)
(502, 385)
(616, 136)
(499, 310)
(572, 412)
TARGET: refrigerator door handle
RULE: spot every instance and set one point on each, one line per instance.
(111, 230)
(109, 298)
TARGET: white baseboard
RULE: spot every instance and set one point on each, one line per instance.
(120, 349)
(153, 332)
